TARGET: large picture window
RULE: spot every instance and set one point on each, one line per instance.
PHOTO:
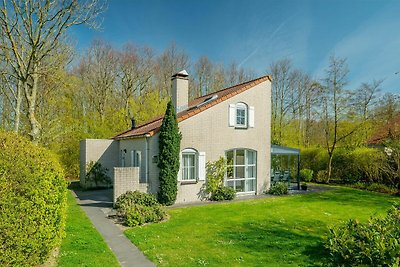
(241, 173)
(189, 165)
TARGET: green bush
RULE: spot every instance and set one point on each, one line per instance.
(315, 159)
(168, 163)
(223, 193)
(215, 181)
(322, 177)
(306, 175)
(376, 243)
(32, 202)
(381, 188)
(137, 208)
(279, 188)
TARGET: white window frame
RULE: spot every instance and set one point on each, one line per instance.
(184, 169)
(233, 165)
(243, 107)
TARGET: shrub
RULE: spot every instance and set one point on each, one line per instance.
(215, 181)
(278, 188)
(306, 175)
(315, 159)
(223, 193)
(32, 202)
(137, 208)
(381, 188)
(322, 177)
(375, 243)
(169, 146)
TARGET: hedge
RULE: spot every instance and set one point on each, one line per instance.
(32, 202)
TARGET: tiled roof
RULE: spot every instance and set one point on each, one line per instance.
(390, 130)
(153, 126)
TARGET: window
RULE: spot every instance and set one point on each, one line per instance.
(241, 115)
(241, 174)
(189, 165)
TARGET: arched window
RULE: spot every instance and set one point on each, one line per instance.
(189, 164)
(242, 169)
(241, 115)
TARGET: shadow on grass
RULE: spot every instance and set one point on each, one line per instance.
(275, 243)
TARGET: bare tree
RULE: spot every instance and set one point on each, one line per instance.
(98, 69)
(31, 30)
(203, 69)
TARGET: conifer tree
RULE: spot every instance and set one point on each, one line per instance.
(169, 147)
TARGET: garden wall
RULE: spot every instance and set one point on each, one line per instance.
(103, 151)
(127, 179)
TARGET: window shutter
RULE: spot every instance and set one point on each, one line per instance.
(133, 153)
(232, 115)
(251, 117)
(202, 166)
(179, 178)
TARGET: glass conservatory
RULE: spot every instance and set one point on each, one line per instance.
(285, 166)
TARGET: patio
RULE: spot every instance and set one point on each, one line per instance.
(285, 166)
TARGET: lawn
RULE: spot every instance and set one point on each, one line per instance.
(282, 231)
(83, 245)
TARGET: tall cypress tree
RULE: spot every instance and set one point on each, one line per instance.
(169, 146)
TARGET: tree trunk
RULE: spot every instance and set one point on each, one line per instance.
(329, 167)
(31, 96)
(18, 102)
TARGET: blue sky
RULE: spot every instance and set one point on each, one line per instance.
(254, 33)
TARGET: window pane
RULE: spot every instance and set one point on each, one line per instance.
(239, 157)
(230, 184)
(251, 172)
(239, 172)
(189, 166)
(251, 157)
(229, 157)
(239, 185)
(229, 172)
(250, 185)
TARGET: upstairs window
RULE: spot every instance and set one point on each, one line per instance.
(241, 115)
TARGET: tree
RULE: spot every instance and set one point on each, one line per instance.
(335, 104)
(169, 147)
(31, 31)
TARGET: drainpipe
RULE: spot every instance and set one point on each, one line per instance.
(147, 158)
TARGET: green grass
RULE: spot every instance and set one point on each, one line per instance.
(83, 245)
(283, 231)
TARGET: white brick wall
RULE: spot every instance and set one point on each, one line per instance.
(127, 179)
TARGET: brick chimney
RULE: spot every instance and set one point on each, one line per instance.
(180, 90)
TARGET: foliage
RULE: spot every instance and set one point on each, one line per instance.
(314, 159)
(375, 187)
(32, 202)
(137, 208)
(223, 193)
(375, 243)
(216, 172)
(168, 163)
(322, 177)
(131, 198)
(279, 188)
(83, 245)
(306, 175)
(292, 228)
(97, 174)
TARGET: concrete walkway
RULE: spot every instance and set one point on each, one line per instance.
(97, 204)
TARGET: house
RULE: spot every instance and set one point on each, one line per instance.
(234, 123)
(389, 132)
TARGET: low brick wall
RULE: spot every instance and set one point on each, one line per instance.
(127, 179)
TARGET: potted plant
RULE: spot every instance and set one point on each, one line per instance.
(304, 186)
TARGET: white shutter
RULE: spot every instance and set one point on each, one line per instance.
(180, 167)
(232, 115)
(251, 117)
(202, 166)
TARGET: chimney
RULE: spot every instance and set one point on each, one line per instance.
(180, 90)
(133, 121)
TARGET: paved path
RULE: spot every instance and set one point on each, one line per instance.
(96, 205)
